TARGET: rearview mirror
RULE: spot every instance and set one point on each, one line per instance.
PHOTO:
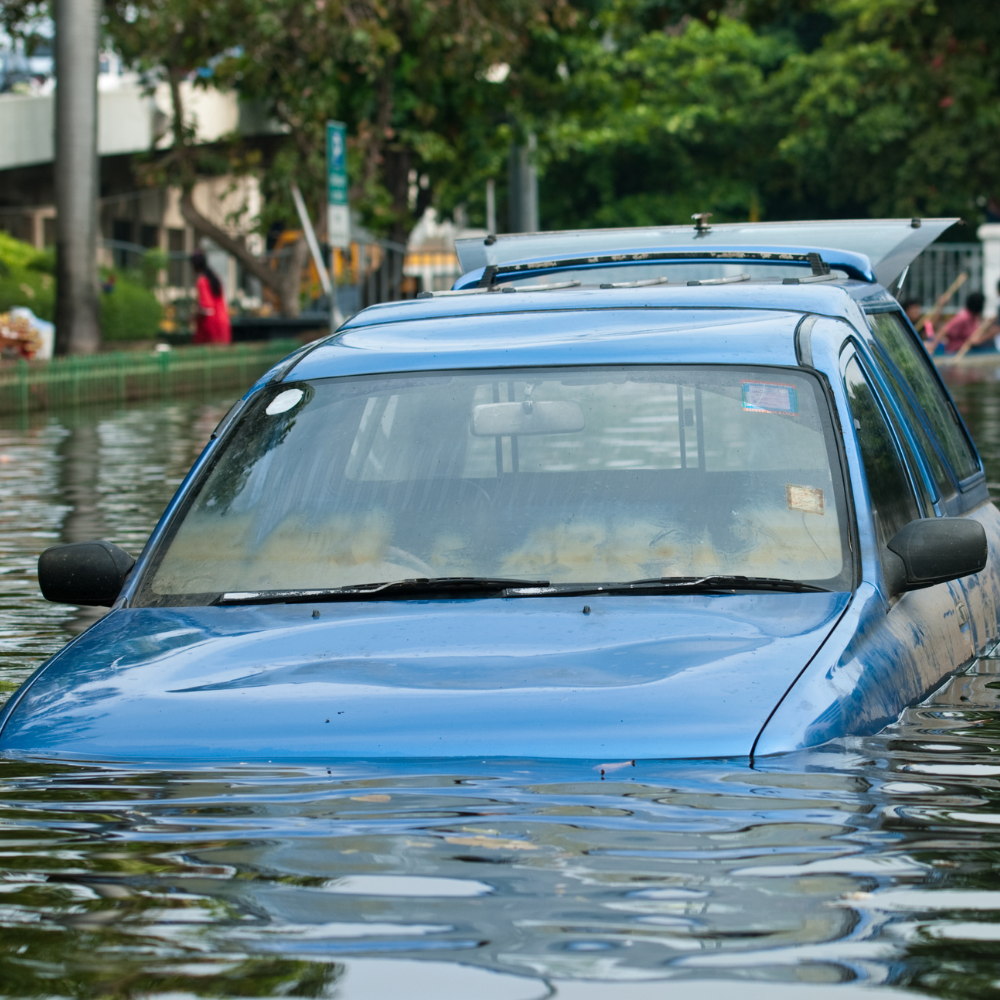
(87, 573)
(543, 417)
(936, 550)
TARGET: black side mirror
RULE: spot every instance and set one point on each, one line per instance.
(936, 550)
(90, 573)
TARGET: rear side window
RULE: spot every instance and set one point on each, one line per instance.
(892, 499)
(945, 486)
(916, 367)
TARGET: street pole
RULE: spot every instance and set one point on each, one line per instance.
(523, 187)
(307, 228)
(76, 177)
(491, 207)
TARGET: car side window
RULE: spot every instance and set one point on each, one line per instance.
(917, 369)
(892, 500)
(943, 481)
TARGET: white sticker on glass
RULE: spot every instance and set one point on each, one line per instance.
(284, 401)
(804, 498)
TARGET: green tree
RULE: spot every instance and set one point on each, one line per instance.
(179, 40)
(794, 109)
(645, 110)
(895, 112)
(649, 110)
(408, 77)
(659, 124)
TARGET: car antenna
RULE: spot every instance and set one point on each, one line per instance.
(701, 226)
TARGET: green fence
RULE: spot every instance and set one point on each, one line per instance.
(133, 375)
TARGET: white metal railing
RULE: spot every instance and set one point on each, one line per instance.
(937, 267)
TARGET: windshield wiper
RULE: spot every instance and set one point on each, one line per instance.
(487, 586)
(685, 585)
(442, 586)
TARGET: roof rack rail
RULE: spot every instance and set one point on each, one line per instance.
(495, 271)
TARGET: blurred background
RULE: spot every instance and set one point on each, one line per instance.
(466, 117)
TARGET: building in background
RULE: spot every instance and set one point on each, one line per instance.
(131, 119)
(431, 263)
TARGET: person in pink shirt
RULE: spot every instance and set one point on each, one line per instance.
(963, 325)
(212, 323)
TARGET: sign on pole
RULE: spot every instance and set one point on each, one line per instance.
(338, 219)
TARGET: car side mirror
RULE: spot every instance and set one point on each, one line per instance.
(87, 573)
(936, 550)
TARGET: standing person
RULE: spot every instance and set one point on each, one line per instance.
(212, 325)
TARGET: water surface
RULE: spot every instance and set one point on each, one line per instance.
(869, 864)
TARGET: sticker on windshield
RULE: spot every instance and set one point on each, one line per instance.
(804, 498)
(284, 401)
(771, 397)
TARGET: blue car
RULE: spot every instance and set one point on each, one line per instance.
(678, 492)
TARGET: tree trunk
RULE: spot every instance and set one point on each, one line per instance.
(396, 177)
(291, 278)
(76, 175)
(279, 283)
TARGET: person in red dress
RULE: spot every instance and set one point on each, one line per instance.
(212, 323)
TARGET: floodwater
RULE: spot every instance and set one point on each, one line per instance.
(870, 864)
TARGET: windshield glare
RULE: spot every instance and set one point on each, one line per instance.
(584, 475)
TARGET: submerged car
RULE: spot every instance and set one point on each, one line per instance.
(678, 492)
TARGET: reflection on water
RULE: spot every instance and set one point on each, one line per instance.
(89, 474)
(869, 863)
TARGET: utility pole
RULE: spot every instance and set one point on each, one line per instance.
(522, 186)
(491, 207)
(76, 177)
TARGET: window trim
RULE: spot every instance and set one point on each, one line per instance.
(874, 357)
(849, 352)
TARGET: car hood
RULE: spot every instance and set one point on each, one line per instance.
(648, 677)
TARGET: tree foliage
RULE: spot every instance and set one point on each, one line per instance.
(798, 108)
(406, 75)
(645, 110)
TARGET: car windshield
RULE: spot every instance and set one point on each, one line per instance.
(570, 475)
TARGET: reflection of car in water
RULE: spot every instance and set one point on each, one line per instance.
(678, 494)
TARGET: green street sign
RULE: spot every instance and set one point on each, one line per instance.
(338, 222)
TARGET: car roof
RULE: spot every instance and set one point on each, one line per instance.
(744, 323)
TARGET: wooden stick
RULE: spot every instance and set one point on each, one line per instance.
(932, 316)
(977, 335)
